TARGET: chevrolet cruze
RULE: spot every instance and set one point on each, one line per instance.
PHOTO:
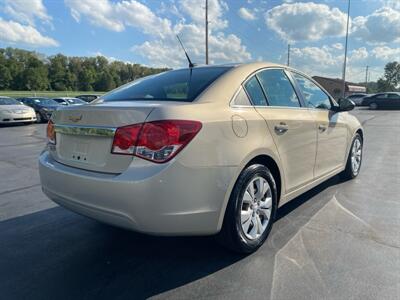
(200, 151)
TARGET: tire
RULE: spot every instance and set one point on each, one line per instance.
(373, 106)
(39, 118)
(350, 172)
(233, 235)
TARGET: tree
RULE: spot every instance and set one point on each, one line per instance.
(391, 79)
(28, 70)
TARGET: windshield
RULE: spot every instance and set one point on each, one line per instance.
(180, 85)
(9, 101)
(75, 101)
(45, 101)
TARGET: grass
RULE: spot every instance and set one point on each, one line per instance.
(50, 94)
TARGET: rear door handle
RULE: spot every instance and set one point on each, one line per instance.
(321, 127)
(281, 128)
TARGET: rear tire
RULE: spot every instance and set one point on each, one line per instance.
(248, 220)
(373, 106)
(354, 159)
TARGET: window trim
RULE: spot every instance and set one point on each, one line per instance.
(285, 70)
(318, 85)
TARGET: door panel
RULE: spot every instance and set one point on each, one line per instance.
(294, 134)
(332, 141)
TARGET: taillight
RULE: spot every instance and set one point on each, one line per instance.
(157, 141)
(50, 132)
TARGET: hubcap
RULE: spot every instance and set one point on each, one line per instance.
(256, 208)
(356, 153)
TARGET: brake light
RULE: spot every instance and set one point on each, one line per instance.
(157, 141)
(50, 132)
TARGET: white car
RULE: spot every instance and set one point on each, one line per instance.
(13, 111)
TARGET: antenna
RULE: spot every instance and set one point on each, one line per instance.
(191, 65)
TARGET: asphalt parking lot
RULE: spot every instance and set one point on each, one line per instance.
(341, 240)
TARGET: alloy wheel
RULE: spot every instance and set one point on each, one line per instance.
(256, 207)
(356, 155)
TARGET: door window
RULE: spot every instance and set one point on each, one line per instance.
(314, 97)
(278, 89)
(255, 92)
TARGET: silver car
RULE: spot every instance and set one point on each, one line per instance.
(200, 151)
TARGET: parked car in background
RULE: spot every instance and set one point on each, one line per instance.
(69, 101)
(88, 98)
(13, 111)
(357, 98)
(200, 151)
(44, 107)
(382, 100)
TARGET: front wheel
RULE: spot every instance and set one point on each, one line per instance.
(354, 159)
(373, 106)
(39, 118)
(250, 212)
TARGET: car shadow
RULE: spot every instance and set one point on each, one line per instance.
(58, 254)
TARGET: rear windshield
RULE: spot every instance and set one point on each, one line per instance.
(180, 85)
(9, 101)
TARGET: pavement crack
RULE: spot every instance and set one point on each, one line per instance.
(19, 189)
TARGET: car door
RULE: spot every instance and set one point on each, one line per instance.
(393, 100)
(330, 126)
(291, 126)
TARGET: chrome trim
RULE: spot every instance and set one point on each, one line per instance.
(85, 130)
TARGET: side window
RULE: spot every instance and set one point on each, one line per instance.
(278, 89)
(381, 96)
(241, 98)
(313, 95)
(255, 92)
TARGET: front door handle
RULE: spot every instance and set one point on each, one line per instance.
(281, 128)
(321, 127)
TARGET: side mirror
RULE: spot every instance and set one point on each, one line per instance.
(344, 105)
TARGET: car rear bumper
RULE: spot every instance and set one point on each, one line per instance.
(166, 199)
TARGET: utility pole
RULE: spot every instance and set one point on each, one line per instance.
(288, 54)
(206, 32)
(345, 51)
(366, 79)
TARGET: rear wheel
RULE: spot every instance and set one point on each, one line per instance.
(354, 160)
(250, 211)
(373, 105)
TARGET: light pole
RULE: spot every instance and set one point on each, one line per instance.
(206, 32)
(288, 54)
(345, 50)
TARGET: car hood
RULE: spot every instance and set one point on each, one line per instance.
(14, 107)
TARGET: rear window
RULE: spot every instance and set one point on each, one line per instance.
(180, 85)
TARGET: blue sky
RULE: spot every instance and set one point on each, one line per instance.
(143, 31)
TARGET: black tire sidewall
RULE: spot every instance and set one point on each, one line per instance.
(247, 175)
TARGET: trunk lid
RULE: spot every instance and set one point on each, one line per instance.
(84, 134)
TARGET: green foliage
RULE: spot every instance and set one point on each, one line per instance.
(390, 81)
(27, 70)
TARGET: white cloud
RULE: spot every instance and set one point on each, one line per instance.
(26, 12)
(195, 10)
(386, 53)
(161, 47)
(338, 46)
(246, 14)
(358, 54)
(15, 33)
(306, 21)
(329, 62)
(382, 26)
